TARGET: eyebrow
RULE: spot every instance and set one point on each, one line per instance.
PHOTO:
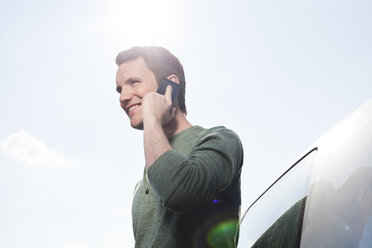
(131, 79)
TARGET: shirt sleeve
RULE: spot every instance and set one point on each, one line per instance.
(184, 182)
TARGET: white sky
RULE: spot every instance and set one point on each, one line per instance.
(279, 73)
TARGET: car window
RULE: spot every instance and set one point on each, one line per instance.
(340, 216)
(275, 219)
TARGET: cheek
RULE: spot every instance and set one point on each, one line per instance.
(143, 91)
(154, 86)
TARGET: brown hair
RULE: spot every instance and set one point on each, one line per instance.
(161, 62)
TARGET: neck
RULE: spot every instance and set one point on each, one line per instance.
(176, 125)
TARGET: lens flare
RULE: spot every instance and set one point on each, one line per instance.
(220, 235)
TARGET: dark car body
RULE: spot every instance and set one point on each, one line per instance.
(324, 199)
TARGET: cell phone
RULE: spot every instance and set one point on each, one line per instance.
(164, 82)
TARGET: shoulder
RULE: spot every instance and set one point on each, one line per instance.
(219, 132)
(222, 139)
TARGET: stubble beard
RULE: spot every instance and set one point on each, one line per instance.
(137, 124)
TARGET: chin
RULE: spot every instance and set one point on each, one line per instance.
(138, 126)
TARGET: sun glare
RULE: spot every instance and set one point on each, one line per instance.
(143, 22)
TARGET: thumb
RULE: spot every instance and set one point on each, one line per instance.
(168, 93)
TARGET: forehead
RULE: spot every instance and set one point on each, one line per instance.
(133, 68)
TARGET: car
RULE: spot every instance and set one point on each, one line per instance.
(324, 199)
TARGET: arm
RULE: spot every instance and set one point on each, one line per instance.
(184, 182)
(157, 110)
(155, 141)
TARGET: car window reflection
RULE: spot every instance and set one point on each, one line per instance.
(275, 220)
(338, 217)
(286, 231)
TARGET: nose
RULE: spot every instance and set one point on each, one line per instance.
(125, 95)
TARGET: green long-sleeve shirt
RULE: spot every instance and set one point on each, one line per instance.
(190, 196)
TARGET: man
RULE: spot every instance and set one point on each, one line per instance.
(189, 195)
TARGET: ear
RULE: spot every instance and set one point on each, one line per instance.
(174, 78)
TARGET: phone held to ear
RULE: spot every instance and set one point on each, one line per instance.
(164, 82)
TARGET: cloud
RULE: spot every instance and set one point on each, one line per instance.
(31, 152)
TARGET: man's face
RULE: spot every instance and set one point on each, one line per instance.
(133, 81)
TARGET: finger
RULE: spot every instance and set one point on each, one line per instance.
(168, 93)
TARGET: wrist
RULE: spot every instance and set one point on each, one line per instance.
(151, 121)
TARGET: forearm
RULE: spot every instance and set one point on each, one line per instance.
(185, 179)
(155, 141)
(185, 184)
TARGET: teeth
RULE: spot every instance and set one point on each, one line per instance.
(133, 107)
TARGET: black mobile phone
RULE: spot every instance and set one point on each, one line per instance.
(164, 82)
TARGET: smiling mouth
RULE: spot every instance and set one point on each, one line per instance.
(132, 108)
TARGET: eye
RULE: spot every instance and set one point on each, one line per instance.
(134, 82)
(118, 89)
